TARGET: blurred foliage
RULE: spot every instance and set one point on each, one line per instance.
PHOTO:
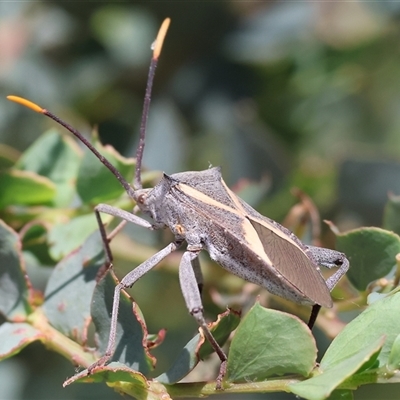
(285, 94)
(271, 351)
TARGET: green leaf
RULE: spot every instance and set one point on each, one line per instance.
(25, 188)
(341, 394)
(375, 296)
(377, 320)
(131, 328)
(56, 157)
(67, 236)
(96, 184)
(14, 283)
(8, 156)
(393, 364)
(391, 215)
(15, 336)
(34, 241)
(198, 348)
(117, 375)
(371, 252)
(69, 292)
(321, 386)
(120, 373)
(269, 342)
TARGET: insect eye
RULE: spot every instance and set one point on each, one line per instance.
(141, 198)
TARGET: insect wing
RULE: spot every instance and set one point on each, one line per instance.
(293, 263)
(287, 254)
(274, 244)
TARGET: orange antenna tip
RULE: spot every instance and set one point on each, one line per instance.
(26, 103)
(157, 45)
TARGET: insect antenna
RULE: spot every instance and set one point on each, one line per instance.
(157, 46)
(139, 154)
(76, 133)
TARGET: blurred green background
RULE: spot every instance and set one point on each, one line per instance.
(299, 94)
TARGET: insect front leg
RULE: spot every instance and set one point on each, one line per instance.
(330, 259)
(191, 294)
(127, 282)
(126, 217)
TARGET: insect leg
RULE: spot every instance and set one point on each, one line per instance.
(314, 314)
(125, 283)
(191, 294)
(198, 274)
(126, 217)
(343, 264)
(331, 259)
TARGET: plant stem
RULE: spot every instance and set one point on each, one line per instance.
(57, 341)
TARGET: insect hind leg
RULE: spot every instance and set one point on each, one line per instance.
(330, 259)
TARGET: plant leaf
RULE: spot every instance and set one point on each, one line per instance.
(95, 183)
(131, 336)
(14, 284)
(67, 236)
(321, 386)
(120, 373)
(25, 188)
(393, 364)
(15, 336)
(57, 158)
(198, 348)
(369, 326)
(123, 380)
(371, 252)
(341, 394)
(269, 342)
(34, 241)
(69, 292)
(391, 215)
